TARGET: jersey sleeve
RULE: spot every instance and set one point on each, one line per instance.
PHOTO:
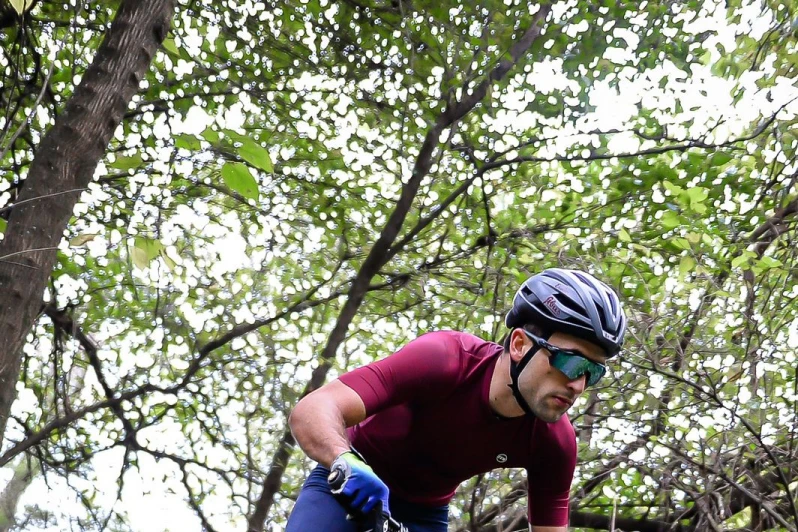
(425, 368)
(550, 476)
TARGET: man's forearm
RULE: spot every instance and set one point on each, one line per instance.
(319, 429)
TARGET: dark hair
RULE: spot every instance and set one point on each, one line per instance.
(531, 327)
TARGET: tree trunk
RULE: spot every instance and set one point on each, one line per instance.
(64, 166)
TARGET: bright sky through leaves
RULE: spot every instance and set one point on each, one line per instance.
(262, 159)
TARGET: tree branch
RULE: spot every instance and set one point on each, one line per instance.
(379, 254)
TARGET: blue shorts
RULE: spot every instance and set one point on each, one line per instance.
(317, 510)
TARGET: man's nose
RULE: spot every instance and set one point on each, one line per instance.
(578, 385)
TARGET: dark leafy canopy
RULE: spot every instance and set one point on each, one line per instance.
(204, 269)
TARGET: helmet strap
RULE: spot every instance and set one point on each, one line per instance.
(515, 372)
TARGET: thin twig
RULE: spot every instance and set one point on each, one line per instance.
(9, 207)
(23, 251)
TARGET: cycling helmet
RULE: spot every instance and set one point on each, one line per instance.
(571, 302)
(567, 301)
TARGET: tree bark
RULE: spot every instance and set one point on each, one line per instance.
(64, 166)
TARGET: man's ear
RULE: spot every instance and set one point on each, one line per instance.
(518, 345)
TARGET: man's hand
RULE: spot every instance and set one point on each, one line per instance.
(361, 486)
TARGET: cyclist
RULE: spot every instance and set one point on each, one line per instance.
(448, 406)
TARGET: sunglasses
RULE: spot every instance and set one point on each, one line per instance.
(572, 363)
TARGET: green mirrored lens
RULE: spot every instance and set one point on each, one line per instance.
(571, 363)
(574, 366)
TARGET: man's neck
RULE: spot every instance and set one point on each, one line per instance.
(501, 396)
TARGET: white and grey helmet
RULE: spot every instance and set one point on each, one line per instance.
(571, 302)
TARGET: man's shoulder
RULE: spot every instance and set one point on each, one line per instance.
(462, 341)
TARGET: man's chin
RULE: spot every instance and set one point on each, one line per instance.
(548, 416)
(547, 413)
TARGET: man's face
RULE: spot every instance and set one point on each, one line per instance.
(548, 392)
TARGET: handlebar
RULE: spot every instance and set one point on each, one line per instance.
(376, 520)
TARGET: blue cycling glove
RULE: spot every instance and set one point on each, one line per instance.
(361, 486)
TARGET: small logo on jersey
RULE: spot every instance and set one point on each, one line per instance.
(501, 458)
(551, 304)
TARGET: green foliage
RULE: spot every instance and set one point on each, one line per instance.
(144, 250)
(238, 177)
(267, 149)
(256, 156)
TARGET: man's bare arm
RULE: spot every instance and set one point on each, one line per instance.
(319, 421)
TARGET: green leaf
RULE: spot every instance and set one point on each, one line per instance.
(686, 265)
(675, 190)
(127, 162)
(239, 179)
(256, 155)
(233, 135)
(144, 250)
(210, 135)
(623, 236)
(188, 142)
(720, 158)
(670, 220)
(697, 194)
(167, 260)
(769, 262)
(738, 520)
(693, 238)
(81, 240)
(643, 249)
(3, 225)
(665, 174)
(139, 257)
(170, 46)
(740, 260)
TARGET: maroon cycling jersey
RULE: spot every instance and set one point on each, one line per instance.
(430, 426)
